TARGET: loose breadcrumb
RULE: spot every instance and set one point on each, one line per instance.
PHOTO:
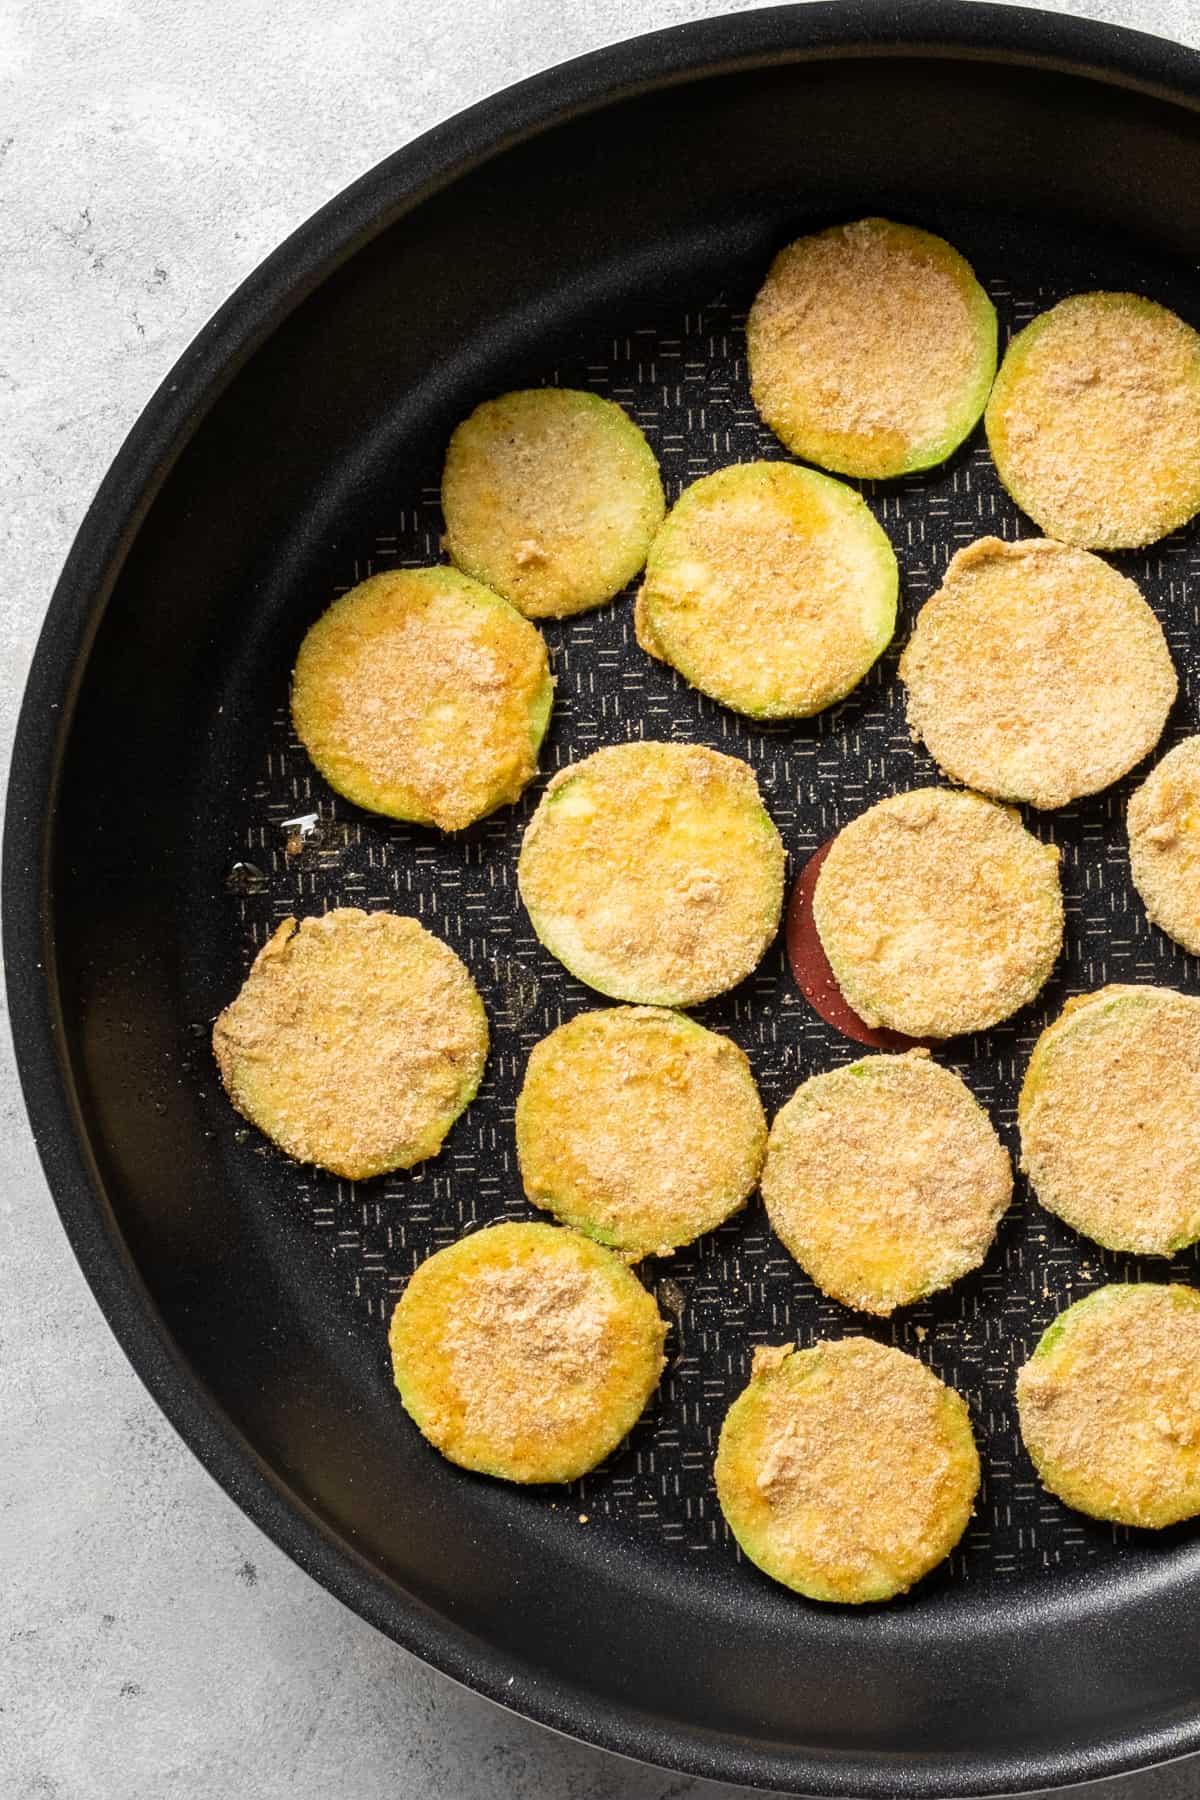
(1037, 672)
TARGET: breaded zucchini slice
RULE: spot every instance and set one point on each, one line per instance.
(1164, 843)
(872, 348)
(423, 696)
(939, 913)
(1109, 1404)
(639, 1127)
(846, 1471)
(551, 496)
(355, 1042)
(653, 872)
(526, 1352)
(770, 588)
(1037, 672)
(1110, 1118)
(1094, 421)
(885, 1180)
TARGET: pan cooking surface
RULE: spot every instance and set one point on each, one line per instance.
(301, 849)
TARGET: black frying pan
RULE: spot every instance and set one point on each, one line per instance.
(603, 224)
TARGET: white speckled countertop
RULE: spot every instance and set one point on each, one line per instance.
(156, 1646)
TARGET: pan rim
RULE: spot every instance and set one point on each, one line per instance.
(1005, 35)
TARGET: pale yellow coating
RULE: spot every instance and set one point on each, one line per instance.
(846, 1471)
(872, 348)
(526, 1352)
(1110, 1118)
(885, 1180)
(423, 696)
(639, 1127)
(939, 913)
(1094, 421)
(1037, 672)
(770, 588)
(1109, 1405)
(1164, 843)
(653, 872)
(551, 496)
(355, 1042)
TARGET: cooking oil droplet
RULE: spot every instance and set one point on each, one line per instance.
(304, 832)
(245, 878)
(520, 989)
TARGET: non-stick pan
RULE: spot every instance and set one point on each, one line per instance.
(605, 225)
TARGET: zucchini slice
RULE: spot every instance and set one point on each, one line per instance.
(526, 1352)
(1094, 421)
(770, 588)
(872, 348)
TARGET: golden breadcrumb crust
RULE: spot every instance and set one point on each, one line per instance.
(872, 348)
(423, 696)
(526, 1352)
(639, 1127)
(551, 496)
(1164, 843)
(355, 1042)
(846, 1471)
(885, 1180)
(1110, 1118)
(653, 872)
(1037, 672)
(1094, 421)
(1109, 1404)
(770, 588)
(939, 913)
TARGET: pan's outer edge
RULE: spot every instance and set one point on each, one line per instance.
(870, 27)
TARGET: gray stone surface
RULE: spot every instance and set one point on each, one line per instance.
(156, 1646)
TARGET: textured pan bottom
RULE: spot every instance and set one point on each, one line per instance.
(300, 849)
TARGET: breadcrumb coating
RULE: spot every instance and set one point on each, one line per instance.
(1110, 1118)
(639, 1127)
(551, 496)
(654, 872)
(1109, 1404)
(872, 348)
(885, 1180)
(1094, 421)
(1164, 843)
(769, 587)
(1037, 672)
(423, 696)
(846, 1471)
(939, 913)
(355, 1042)
(526, 1352)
